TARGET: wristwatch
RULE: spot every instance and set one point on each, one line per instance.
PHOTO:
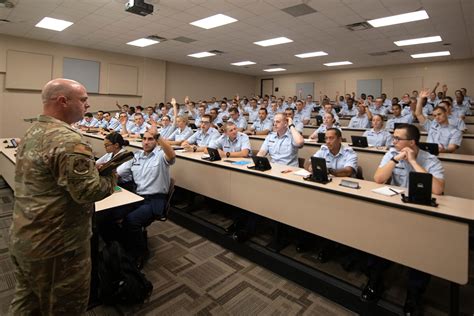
(394, 160)
(227, 154)
(194, 148)
(291, 125)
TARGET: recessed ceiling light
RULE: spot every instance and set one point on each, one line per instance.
(400, 18)
(53, 24)
(338, 63)
(421, 40)
(143, 42)
(274, 41)
(243, 63)
(202, 55)
(312, 54)
(213, 21)
(274, 69)
(433, 54)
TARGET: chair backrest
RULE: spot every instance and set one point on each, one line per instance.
(166, 211)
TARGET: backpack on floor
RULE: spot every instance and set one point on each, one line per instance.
(120, 281)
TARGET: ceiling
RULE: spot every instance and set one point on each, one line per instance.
(104, 25)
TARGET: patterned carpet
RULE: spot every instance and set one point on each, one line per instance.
(192, 276)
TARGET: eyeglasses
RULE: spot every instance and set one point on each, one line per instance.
(396, 139)
(108, 145)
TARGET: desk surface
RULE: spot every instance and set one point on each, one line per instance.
(380, 225)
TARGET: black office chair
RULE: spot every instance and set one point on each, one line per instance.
(171, 189)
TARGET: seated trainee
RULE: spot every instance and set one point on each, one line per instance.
(233, 143)
(262, 125)
(395, 167)
(328, 122)
(114, 144)
(181, 133)
(203, 137)
(439, 131)
(361, 120)
(377, 136)
(149, 169)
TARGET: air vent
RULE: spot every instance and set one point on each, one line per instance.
(217, 52)
(395, 51)
(299, 10)
(278, 65)
(157, 38)
(184, 39)
(378, 54)
(6, 4)
(359, 26)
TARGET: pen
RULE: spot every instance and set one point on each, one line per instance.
(393, 190)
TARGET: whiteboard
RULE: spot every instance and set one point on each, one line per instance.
(303, 89)
(369, 86)
(86, 72)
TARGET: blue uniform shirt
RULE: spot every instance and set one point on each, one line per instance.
(282, 149)
(323, 128)
(93, 123)
(401, 119)
(224, 143)
(113, 124)
(442, 134)
(202, 139)
(149, 172)
(359, 122)
(380, 138)
(253, 114)
(241, 122)
(138, 129)
(166, 132)
(259, 126)
(401, 171)
(346, 157)
(181, 135)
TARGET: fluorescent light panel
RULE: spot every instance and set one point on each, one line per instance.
(274, 41)
(213, 21)
(400, 18)
(53, 24)
(143, 42)
(312, 54)
(274, 69)
(432, 54)
(421, 40)
(202, 55)
(244, 63)
(338, 63)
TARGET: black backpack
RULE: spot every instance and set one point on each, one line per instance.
(120, 281)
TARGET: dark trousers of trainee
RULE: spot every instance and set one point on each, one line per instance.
(130, 231)
(53, 286)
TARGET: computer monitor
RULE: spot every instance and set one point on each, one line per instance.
(213, 154)
(359, 141)
(260, 164)
(432, 148)
(319, 120)
(320, 171)
(321, 137)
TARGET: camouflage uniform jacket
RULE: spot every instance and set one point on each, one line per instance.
(56, 183)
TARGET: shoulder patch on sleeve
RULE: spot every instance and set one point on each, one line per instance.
(81, 166)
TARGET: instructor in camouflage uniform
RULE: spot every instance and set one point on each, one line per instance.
(56, 184)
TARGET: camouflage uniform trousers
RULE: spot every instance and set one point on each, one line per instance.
(55, 286)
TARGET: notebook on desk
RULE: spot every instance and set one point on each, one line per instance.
(432, 148)
(321, 137)
(359, 141)
(260, 164)
(320, 171)
(213, 155)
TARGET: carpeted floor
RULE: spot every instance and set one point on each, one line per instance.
(192, 276)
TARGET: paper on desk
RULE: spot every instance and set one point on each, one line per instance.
(302, 173)
(387, 191)
(205, 156)
(180, 150)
